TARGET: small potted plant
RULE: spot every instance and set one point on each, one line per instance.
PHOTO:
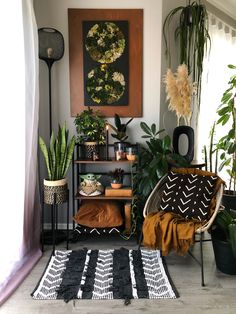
(90, 127)
(58, 156)
(116, 178)
(120, 134)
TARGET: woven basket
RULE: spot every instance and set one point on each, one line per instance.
(90, 148)
(55, 189)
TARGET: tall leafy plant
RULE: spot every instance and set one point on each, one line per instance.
(58, 155)
(227, 144)
(155, 159)
(192, 36)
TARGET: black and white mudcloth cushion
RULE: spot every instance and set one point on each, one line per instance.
(188, 194)
(105, 274)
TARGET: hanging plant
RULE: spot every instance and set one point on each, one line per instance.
(192, 36)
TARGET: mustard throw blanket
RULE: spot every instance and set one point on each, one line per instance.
(166, 231)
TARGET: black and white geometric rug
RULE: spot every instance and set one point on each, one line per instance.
(105, 274)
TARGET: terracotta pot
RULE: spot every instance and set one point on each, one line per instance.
(116, 185)
(55, 191)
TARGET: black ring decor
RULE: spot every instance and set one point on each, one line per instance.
(189, 132)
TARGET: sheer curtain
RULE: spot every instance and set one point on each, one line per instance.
(19, 214)
(215, 77)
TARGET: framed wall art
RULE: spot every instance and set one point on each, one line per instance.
(106, 53)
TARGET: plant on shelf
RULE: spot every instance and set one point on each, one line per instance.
(227, 143)
(192, 36)
(90, 126)
(120, 134)
(116, 177)
(119, 128)
(57, 156)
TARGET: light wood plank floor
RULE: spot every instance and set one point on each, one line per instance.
(218, 297)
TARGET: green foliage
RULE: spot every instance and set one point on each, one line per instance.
(227, 144)
(119, 128)
(226, 221)
(155, 160)
(90, 126)
(192, 36)
(58, 155)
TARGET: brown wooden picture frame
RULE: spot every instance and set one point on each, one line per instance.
(135, 20)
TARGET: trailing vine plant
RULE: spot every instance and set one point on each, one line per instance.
(192, 36)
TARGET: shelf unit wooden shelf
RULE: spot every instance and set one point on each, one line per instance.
(80, 165)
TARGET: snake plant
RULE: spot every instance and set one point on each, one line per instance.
(58, 155)
(192, 36)
(226, 220)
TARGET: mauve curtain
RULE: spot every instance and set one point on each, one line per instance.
(20, 210)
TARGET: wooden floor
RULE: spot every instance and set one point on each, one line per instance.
(219, 295)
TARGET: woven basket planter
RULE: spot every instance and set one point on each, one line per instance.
(90, 148)
(55, 189)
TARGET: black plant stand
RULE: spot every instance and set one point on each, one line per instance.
(54, 221)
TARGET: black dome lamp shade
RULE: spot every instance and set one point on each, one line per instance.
(51, 49)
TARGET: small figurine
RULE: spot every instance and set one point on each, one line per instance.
(90, 186)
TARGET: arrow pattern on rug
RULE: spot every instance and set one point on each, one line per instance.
(188, 194)
(105, 274)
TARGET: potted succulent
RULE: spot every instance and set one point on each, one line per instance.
(58, 157)
(224, 241)
(227, 143)
(116, 178)
(90, 126)
(120, 134)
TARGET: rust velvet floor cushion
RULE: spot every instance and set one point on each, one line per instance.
(99, 214)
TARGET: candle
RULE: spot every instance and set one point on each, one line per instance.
(107, 127)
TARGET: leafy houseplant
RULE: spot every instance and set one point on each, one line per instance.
(224, 241)
(155, 159)
(120, 134)
(192, 36)
(119, 128)
(58, 157)
(90, 126)
(227, 144)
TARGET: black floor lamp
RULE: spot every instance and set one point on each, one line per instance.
(51, 49)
